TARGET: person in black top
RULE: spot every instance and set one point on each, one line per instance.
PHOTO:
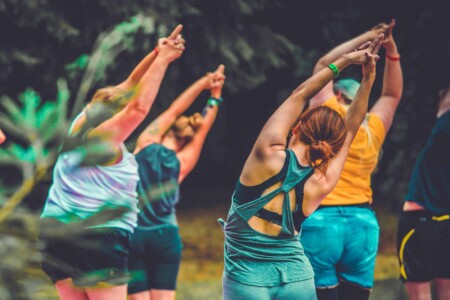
(423, 237)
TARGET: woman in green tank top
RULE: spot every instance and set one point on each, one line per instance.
(263, 256)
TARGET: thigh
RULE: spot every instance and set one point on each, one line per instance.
(162, 268)
(59, 257)
(414, 247)
(357, 264)
(322, 240)
(233, 290)
(104, 257)
(441, 254)
(300, 290)
(139, 284)
(118, 292)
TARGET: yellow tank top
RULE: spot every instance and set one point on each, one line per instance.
(354, 185)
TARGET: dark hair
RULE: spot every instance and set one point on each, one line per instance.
(323, 132)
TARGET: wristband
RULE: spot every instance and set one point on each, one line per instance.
(393, 58)
(212, 101)
(334, 69)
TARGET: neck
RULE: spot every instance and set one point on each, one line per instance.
(170, 141)
(444, 107)
(299, 149)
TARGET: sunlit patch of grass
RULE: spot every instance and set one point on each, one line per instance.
(386, 267)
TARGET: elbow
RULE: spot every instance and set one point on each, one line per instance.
(321, 63)
(139, 107)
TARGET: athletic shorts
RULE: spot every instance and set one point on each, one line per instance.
(341, 243)
(423, 246)
(96, 255)
(155, 258)
(298, 290)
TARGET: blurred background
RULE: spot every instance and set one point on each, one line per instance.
(56, 53)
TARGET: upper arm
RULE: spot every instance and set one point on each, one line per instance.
(189, 155)
(121, 125)
(385, 109)
(154, 132)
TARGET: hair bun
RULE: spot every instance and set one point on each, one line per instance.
(319, 152)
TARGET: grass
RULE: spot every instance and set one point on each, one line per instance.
(202, 264)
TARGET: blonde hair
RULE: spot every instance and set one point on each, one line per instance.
(113, 97)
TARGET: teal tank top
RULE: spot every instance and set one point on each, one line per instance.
(158, 188)
(258, 259)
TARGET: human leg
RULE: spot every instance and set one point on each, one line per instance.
(322, 241)
(418, 290)
(154, 263)
(299, 290)
(357, 264)
(67, 291)
(442, 288)
(415, 244)
(118, 292)
(348, 290)
(145, 295)
(233, 290)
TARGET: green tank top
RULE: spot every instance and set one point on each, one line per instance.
(258, 259)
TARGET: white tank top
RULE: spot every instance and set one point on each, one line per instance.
(78, 193)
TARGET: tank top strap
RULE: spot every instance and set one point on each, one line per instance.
(249, 209)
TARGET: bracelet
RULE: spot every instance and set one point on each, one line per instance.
(334, 69)
(393, 58)
(213, 102)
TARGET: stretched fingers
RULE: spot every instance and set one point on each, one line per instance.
(176, 31)
(220, 69)
(375, 45)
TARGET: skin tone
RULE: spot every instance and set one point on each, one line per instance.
(187, 153)
(146, 78)
(2, 137)
(268, 154)
(387, 103)
(422, 290)
(391, 94)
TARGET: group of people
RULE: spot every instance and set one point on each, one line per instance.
(300, 225)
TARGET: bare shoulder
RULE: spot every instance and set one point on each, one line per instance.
(260, 166)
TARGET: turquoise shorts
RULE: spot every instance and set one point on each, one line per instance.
(341, 243)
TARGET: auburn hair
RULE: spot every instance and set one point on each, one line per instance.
(323, 131)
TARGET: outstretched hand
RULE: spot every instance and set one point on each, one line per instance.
(362, 53)
(388, 42)
(172, 46)
(216, 81)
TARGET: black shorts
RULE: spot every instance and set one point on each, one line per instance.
(423, 246)
(155, 257)
(93, 256)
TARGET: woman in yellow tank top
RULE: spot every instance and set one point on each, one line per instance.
(342, 250)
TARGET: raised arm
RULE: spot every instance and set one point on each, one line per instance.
(317, 188)
(346, 47)
(139, 71)
(274, 133)
(156, 130)
(391, 94)
(121, 125)
(190, 153)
